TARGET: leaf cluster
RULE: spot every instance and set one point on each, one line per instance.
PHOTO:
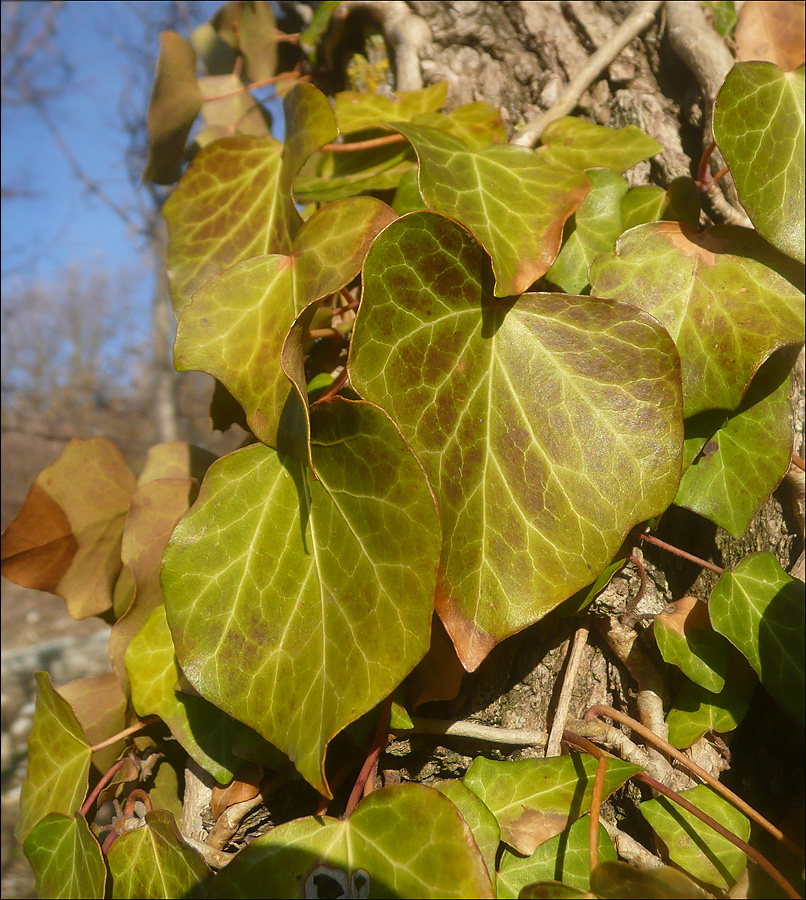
(468, 371)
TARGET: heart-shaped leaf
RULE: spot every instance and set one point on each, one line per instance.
(404, 841)
(685, 639)
(594, 229)
(578, 144)
(694, 846)
(759, 127)
(621, 881)
(204, 731)
(154, 861)
(235, 201)
(481, 822)
(514, 200)
(175, 102)
(66, 858)
(58, 760)
(726, 312)
(548, 427)
(759, 609)
(156, 507)
(696, 711)
(360, 111)
(297, 605)
(728, 480)
(235, 326)
(536, 799)
(66, 538)
(565, 857)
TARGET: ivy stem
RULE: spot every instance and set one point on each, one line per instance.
(102, 783)
(797, 461)
(749, 851)
(371, 762)
(597, 793)
(133, 729)
(370, 144)
(682, 553)
(630, 618)
(596, 711)
(338, 384)
(704, 179)
(265, 82)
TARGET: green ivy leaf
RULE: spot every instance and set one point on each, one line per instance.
(696, 711)
(357, 111)
(478, 124)
(236, 201)
(481, 822)
(175, 102)
(759, 127)
(728, 480)
(565, 857)
(680, 202)
(66, 859)
(759, 609)
(403, 841)
(154, 861)
(552, 890)
(548, 427)
(726, 312)
(58, 760)
(235, 326)
(341, 175)
(536, 799)
(66, 538)
(206, 733)
(251, 30)
(593, 229)
(686, 640)
(291, 605)
(229, 109)
(515, 201)
(694, 846)
(578, 144)
(621, 881)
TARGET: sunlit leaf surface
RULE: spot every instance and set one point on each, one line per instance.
(759, 127)
(481, 822)
(297, 605)
(58, 760)
(401, 842)
(153, 861)
(694, 846)
(66, 859)
(726, 312)
(359, 111)
(547, 426)
(536, 799)
(578, 144)
(685, 639)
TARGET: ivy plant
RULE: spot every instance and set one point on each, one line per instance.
(467, 371)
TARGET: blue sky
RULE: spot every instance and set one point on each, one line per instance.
(63, 222)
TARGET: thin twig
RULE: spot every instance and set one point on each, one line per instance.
(630, 616)
(641, 17)
(522, 737)
(335, 387)
(575, 654)
(254, 85)
(678, 552)
(797, 461)
(596, 794)
(749, 851)
(649, 735)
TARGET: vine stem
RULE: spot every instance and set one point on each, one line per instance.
(265, 82)
(371, 762)
(749, 851)
(597, 793)
(678, 552)
(103, 782)
(133, 729)
(596, 711)
(335, 387)
(370, 144)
